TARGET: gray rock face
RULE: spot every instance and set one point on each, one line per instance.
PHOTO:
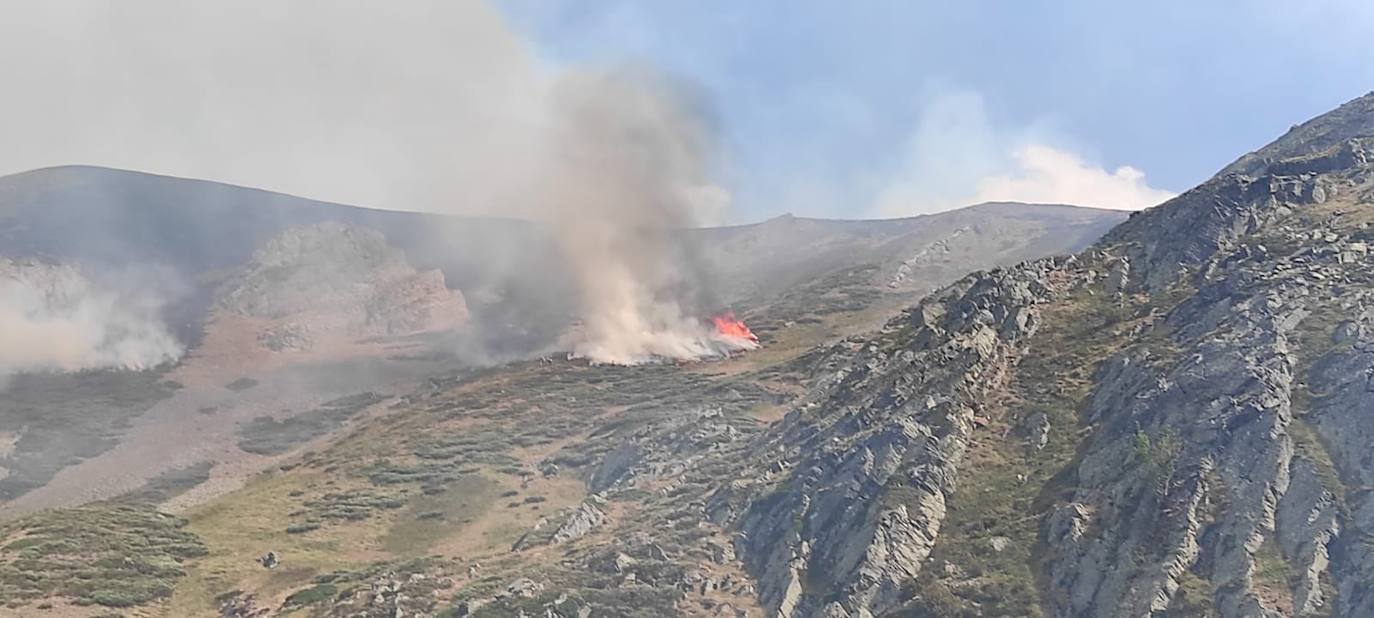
(584, 519)
(1191, 431)
(1310, 138)
(1218, 464)
(859, 475)
(306, 268)
(1215, 448)
(335, 277)
(1307, 523)
(1342, 382)
(1037, 430)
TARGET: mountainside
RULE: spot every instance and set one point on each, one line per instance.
(273, 306)
(1174, 421)
(509, 269)
(1171, 422)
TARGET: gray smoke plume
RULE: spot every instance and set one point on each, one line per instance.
(429, 105)
(52, 318)
(625, 172)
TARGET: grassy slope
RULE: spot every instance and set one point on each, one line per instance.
(453, 461)
(442, 473)
(106, 554)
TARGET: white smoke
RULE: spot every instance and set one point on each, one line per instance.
(52, 318)
(429, 105)
(624, 172)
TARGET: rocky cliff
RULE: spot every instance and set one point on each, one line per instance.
(1174, 422)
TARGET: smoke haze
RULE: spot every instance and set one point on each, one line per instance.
(53, 319)
(624, 171)
(420, 105)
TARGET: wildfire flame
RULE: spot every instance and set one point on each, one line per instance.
(730, 326)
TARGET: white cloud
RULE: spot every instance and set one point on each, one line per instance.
(956, 156)
(1048, 175)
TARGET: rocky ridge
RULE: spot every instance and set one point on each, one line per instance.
(1237, 404)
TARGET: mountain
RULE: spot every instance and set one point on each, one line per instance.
(787, 263)
(281, 305)
(98, 216)
(196, 232)
(1172, 421)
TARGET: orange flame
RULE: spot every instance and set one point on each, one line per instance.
(730, 326)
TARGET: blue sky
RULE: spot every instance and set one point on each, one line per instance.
(817, 103)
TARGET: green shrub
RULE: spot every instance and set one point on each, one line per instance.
(314, 594)
(113, 554)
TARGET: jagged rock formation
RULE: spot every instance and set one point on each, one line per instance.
(1211, 465)
(1239, 380)
(867, 463)
(586, 518)
(340, 278)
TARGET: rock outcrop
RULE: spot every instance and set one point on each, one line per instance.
(330, 279)
(1242, 416)
(857, 478)
(583, 520)
(1217, 454)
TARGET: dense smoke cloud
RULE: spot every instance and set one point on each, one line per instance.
(54, 319)
(624, 171)
(419, 105)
